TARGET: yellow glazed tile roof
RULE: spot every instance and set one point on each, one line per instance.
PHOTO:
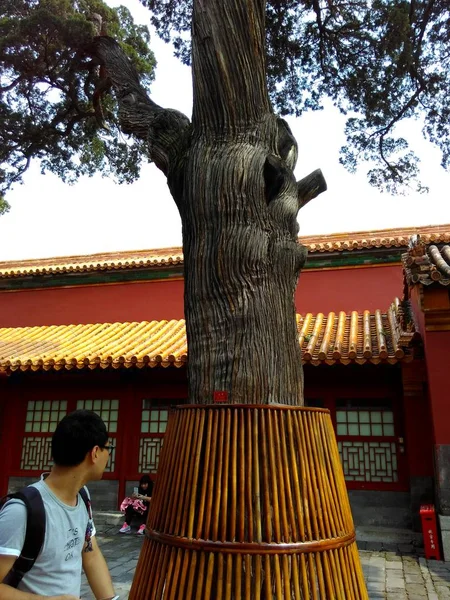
(110, 261)
(381, 238)
(333, 338)
(162, 257)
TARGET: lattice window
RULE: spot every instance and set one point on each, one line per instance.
(108, 410)
(369, 461)
(154, 418)
(365, 459)
(36, 454)
(44, 415)
(365, 423)
(149, 450)
(41, 419)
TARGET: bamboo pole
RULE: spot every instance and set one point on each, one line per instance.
(250, 504)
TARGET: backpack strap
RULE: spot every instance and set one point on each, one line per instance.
(87, 502)
(34, 536)
(88, 535)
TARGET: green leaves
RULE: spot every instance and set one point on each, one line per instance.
(48, 84)
(380, 61)
(4, 206)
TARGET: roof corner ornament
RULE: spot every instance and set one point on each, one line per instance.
(416, 246)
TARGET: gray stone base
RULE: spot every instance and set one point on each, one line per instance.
(381, 509)
(443, 478)
(422, 492)
(17, 483)
(103, 493)
(104, 520)
(444, 524)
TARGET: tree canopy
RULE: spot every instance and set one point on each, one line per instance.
(54, 104)
(379, 61)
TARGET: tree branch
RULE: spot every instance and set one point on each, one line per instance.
(20, 171)
(310, 187)
(12, 85)
(164, 129)
(383, 131)
(426, 17)
(323, 32)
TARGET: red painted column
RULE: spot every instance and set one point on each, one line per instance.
(432, 305)
(432, 308)
(418, 437)
(418, 424)
(437, 349)
(8, 435)
(128, 436)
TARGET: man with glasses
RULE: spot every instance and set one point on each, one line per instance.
(80, 450)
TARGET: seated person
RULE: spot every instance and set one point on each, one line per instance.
(137, 505)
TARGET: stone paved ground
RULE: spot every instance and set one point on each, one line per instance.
(391, 572)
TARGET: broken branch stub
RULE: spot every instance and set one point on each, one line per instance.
(310, 187)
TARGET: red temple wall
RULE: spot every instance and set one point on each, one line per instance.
(93, 304)
(318, 291)
(358, 288)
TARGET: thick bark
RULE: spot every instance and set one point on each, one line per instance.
(242, 259)
(229, 75)
(231, 174)
(241, 270)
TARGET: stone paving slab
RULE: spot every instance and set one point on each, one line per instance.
(391, 574)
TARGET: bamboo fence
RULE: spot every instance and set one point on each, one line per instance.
(250, 503)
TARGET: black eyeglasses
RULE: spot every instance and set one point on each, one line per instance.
(110, 447)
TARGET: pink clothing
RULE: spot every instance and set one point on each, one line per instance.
(136, 504)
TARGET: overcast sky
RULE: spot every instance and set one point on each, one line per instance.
(49, 218)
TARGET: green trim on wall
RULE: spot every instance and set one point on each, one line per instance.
(350, 260)
(91, 278)
(325, 260)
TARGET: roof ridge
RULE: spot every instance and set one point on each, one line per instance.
(132, 259)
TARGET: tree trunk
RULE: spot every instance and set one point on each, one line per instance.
(239, 208)
(250, 501)
(240, 277)
(231, 175)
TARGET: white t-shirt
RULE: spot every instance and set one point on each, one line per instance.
(57, 569)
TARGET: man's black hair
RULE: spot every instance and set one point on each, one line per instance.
(75, 435)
